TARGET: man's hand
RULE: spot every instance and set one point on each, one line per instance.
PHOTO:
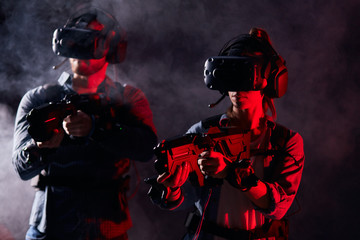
(77, 125)
(213, 164)
(54, 141)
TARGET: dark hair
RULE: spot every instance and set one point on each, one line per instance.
(256, 41)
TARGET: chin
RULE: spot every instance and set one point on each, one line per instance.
(241, 105)
(84, 71)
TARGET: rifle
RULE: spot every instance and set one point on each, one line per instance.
(233, 143)
(43, 120)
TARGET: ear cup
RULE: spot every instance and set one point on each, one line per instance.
(116, 40)
(278, 78)
(117, 46)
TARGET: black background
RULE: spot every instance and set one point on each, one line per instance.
(168, 44)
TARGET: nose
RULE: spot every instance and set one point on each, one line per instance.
(234, 94)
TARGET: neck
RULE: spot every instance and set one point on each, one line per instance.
(248, 119)
(83, 84)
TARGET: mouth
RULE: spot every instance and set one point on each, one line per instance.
(238, 97)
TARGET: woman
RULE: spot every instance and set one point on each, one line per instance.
(254, 197)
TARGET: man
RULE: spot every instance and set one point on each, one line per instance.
(80, 168)
(242, 198)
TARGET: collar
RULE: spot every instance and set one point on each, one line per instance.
(65, 80)
(224, 121)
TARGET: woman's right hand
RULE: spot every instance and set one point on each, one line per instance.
(177, 179)
(173, 182)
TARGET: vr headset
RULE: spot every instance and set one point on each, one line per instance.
(230, 73)
(242, 73)
(78, 43)
(75, 40)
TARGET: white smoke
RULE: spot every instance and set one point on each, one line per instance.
(168, 44)
(15, 195)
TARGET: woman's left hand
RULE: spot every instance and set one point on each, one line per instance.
(213, 164)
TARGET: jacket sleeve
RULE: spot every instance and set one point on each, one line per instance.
(285, 180)
(27, 159)
(133, 139)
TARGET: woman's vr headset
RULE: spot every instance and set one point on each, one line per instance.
(231, 73)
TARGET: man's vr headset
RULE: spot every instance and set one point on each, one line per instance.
(78, 43)
(242, 73)
(75, 40)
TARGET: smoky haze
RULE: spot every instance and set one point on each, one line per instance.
(169, 42)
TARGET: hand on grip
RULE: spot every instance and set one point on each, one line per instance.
(213, 164)
(177, 179)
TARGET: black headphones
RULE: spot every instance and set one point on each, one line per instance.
(274, 68)
(75, 40)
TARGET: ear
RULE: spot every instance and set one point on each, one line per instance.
(266, 69)
(263, 75)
